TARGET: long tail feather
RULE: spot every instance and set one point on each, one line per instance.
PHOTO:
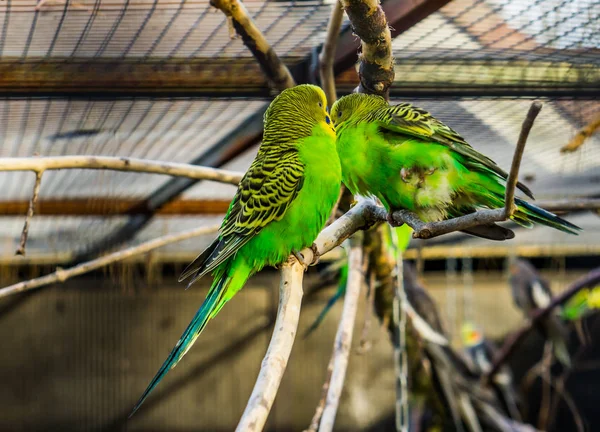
(534, 213)
(338, 294)
(210, 306)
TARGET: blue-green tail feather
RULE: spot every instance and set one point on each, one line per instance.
(338, 294)
(190, 334)
(534, 213)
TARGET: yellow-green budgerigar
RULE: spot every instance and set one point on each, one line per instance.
(281, 204)
(409, 160)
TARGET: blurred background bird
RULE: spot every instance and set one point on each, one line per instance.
(530, 292)
(482, 352)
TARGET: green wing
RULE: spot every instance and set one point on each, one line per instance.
(264, 194)
(409, 120)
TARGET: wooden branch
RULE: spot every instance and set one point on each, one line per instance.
(30, 211)
(327, 56)
(61, 275)
(252, 37)
(343, 338)
(376, 70)
(314, 423)
(513, 176)
(41, 164)
(511, 344)
(275, 361)
(590, 129)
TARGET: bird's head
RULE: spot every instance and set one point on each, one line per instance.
(296, 111)
(470, 335)
(354, 106)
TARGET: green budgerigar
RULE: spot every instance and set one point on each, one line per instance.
(281, 204)
(409, 160)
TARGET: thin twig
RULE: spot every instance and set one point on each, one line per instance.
(327, 55)
(39, 164)
(30, 211)
(61, 275)
(343, 337)
(586, 132)
(513, 176)
(546, 378)
(270, 63)
(365, 345)
(314, 423)
(517, 338)
(276, 359)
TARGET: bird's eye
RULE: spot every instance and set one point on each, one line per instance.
(320, 105)
(339, 113)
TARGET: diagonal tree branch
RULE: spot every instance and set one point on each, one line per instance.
(269, 62)
(61, 275)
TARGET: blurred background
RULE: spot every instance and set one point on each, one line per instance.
(164, 80)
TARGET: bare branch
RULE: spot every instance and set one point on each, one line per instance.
(61, 275)
(30, 211)
(513, 176)
(275, 361)
(511, 344)
(376, 70)
(343, 338)
(327, 55)
(314, 423)
(269, 62)
(40, 164)
(590, 129)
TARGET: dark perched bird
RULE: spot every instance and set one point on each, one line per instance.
(472, 406)
(482, 352)
(530, 292)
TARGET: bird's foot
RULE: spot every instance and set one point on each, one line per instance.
(302, 260)
(316, 254)
(405, 174)
(391, 221)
